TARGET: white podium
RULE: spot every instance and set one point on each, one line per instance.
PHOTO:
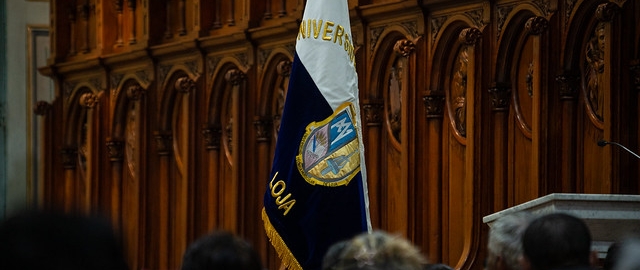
(610, 217)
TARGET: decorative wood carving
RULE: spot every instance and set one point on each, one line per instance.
(68, 89)
(536, 25)
(410, 26)
(544, 6)
(434, 104)
(164, 70)
(373, 112)
(500, 96)
(164, 142)
(69, 155)
(436, 24)
(89, 100)
(470, 36)
(212, 63)
(263, 128)
(211, 136)
(594, 72)
(42, 108)
(234, 76)
(458, 84)
(503, 13)
(143, 75)
(375, 35)
(568, 86)
(185, 85)
(135, 91)
(404, 47)
(569, 5)
(115, 150)
(116, 78)
(606, 11)
(284, 68)
(476, 16)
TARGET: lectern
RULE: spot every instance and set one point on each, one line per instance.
(610, 217)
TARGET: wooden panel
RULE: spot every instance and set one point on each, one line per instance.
(468, 108)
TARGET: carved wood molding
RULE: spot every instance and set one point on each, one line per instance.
(284, 68)
(434, 104)
(115, 150)
(263, 128)
(470, 36)
(42, 108)
(373, 111)
(69, 156)
(185, 85)
(536, 25)
(234, 76)
(436, 24)
(503, 13)
(607, 11)
(135, 92)
(211, 136)
(568, 85)
(500, 95)
(404, 47)
(89, 100)
(164, 142)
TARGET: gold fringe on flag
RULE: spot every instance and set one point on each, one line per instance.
(284, 253)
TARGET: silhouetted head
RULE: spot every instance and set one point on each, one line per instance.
(47, 240)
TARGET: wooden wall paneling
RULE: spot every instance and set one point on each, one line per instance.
(593, 121)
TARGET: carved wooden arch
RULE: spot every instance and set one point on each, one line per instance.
(128, 91)
(83, 96)
(276, 72)
(514, 23)
(447, 39)
(169, 95)
(226, 76)
(586, 20)
(218, 89)
(383, 58)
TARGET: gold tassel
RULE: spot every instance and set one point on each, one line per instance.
(284, 253)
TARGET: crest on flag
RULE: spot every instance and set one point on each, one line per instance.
(329, 151)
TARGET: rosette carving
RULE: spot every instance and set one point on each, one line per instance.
(470, 36)
(185, 85)
(404, 47)
(234, 76)
(434, 104)
(536, 25)
(89, 100)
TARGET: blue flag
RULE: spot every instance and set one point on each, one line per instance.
(317, 191)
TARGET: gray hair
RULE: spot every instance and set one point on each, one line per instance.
(629, 255)
(379, 250)
(505, 237)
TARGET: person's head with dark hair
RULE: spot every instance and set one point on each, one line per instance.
(221, 251)
(557, 240)
(48, 240)
(613, 252)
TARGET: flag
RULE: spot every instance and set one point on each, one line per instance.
(317, 192)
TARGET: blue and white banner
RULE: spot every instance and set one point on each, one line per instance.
(317, 192)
